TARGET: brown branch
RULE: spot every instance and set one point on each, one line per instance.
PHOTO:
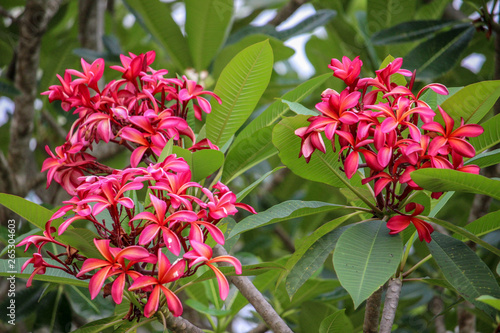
(286, 11)
(253, 295)
(180, 325)
(91, 23)
(372, 312)
(436, 306)
(32, 26)
(390, 304)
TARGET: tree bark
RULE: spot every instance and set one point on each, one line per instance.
(372, 312)
(390, 304)
(286, 11)
(181, 325)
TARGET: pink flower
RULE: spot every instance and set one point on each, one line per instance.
(222, 203)
(40, 266)
(191, 90)
(166, 273)
(91, 75)
(400, 222)
(347, 70)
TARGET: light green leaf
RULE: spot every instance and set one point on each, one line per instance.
(278, 109)
(365, 257)
(248, 153)
(410, 31)
(201, 308)
(299, 108)
(441, 180)
(464, 270)
(202, 162)
(491, 301)
(437, 55)
(472, 103)
(282, 212)
(240, 86)
(336, 323)
(33, 213)
(156, 18)
(207, 26)
(241, 195)
(100, 325)
(51, 274)
(483, 225)
(485, 159)
(491, 135)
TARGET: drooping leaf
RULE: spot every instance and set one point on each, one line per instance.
(278, 109)
(464, 270)
(282, 212)
(365, 257)
(33, 213)
(441, 180)
(410, 31)
(472, 103)
(240, 86)
(336, 323)
(491, 135)
(51, 274)
(202, 162)
(156, 18)
(483, 225)
(439, 54)
(207, 25)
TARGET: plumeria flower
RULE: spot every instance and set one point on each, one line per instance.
(113, 264)
(91, 75)
(191, 90)
(347, 70)
(222, 203)
(166, 273)
(399, 223)
(40, 267)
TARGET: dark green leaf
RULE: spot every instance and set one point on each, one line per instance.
(241, 195)
(8, 89)
(365, 257)
(491, 135)
(336, 323)
(100, 325)
(483, 225)
(464, 270)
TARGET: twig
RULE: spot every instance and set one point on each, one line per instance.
(181, 325)
(253, 295)
(372, 312)
(261, 328)
(390, 304)
(286, 11)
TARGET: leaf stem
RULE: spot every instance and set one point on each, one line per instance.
(417, 265)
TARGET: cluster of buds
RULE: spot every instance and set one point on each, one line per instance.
(387, 129)
(142, 111)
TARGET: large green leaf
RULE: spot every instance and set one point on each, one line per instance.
(33, 213)
(282, 212)
(278, 109)
(464, 270)
(483, 225)
(207, 25)
(491, 135)
(336, 323)
(382, 14)
(240, 86)
(472, 103)
(156, 18)
(247, 153)
(202, 162)
(82, 240)
(441, 180)
(437, 55)
(365, 257)
(324, 168)
(51, 274)
(410, 31)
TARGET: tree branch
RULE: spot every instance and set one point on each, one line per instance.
(286, 11)
(253, 295)
(390, 304)
(372, 312)
(180, 325)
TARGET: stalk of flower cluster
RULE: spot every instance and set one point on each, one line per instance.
(390, 304)
(253, 295)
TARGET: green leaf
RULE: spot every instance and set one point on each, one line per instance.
(207, 25)
(33, 213)
(491, 301)
(441, 180)
(248, 153)
(100, 325)
(464, 270)
(485, 159)
(312, 253)
(411, 31)
(282, 212)
(8, 89)
(382, 14)
(82, 240)
(324, 168)
(278, 109)
(201, 308)
(156, 18)
(51, 275)
(483, 225)
(241, 195)
(491, 135)
(365, 257)
(312, 313)
(299, 108)
(439, 54)
(336, 323)
(472, 103)
(240, 86)
(201, 162)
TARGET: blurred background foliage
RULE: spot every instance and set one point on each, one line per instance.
(448, 42)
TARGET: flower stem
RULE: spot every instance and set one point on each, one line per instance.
(390, 304)
(417, 265)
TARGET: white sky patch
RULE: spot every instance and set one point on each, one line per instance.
(6, 108)
(264, 17)
(128, 21)
(179, 15)
(32, 144)
(473, 62)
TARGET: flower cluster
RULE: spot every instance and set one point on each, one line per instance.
(142, 112)
(384, 127)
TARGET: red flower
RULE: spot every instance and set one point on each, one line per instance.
(347, 70)
(400, 222)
